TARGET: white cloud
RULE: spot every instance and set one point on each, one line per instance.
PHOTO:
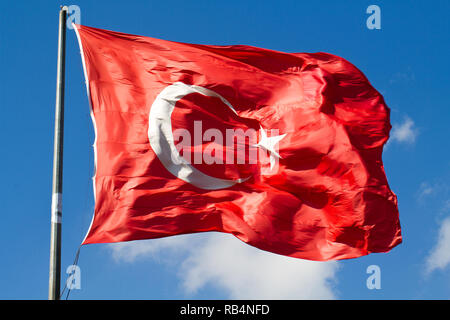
(403, 77)
(132, 250)
(436, 188)
(248, 273)
(405, 132)
(439, 257)
(242, 271)
(425, 190)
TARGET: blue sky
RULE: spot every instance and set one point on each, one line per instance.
(407, 61)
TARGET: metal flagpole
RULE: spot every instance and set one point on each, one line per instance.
(56, 214)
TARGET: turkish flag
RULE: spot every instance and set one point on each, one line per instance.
(282, 150)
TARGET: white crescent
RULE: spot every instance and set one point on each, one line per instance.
(161, 137)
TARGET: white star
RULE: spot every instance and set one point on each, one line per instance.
(268, 144)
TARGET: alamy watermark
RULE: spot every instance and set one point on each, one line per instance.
(374, 20)
(374, 280)
(234, 146)
(73, 16)
(73, 281)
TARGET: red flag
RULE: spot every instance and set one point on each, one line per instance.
(282, 150)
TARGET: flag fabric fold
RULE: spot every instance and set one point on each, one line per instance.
(302, 176)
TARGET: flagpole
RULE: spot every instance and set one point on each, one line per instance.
(56, 213)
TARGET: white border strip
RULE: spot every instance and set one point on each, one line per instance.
(56, 207)
(75, 28)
